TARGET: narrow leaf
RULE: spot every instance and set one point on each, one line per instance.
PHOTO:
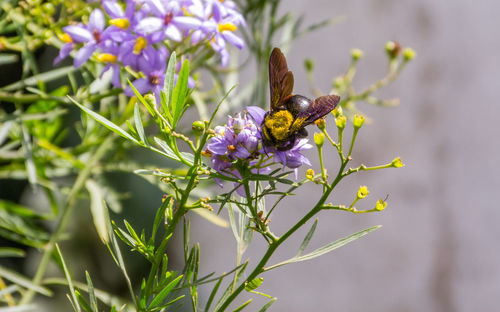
(23, 281)
(307, 239)
(164, 292)
(138, 125)
(105, 122)
(68, 277)
(241, 307)
(168, 86)
(99, 210)
(254, 284)
(268, 304)
(92, 297)
(168, 151)
(11, 252)
(326, 249)
(180, 91)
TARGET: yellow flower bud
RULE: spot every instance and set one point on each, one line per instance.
(409, 54)
(380, 205)
(397, 163)
(356, 54)
(309, 65)
(321, 123)
(310, 174)
(358, 121)
(341, 122)
(337, 111)
(393, 48)
(362, 192)
(319, 139)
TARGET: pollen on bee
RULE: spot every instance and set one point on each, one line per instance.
(279, 123)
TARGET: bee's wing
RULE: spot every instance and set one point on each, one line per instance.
(319, 108)
(280, 78)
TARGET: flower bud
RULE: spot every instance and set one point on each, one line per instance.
(380, 205)
(397, 163)
(339, 82)
(198, 127)
(362, 192)
(150, 99)
(310, 174)
(409, 54)
(356, 54)
(319, 139)
(393, 48)
(321, 123)
(358, 121)
(341, 122)
(309, 64)
(337, 111)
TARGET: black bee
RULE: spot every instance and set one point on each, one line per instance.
(289, 114)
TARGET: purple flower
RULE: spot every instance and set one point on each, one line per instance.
(168, 20)
(92, 35)
(153, 67)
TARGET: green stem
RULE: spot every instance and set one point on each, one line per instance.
(354, 134)
(65, 216)
(272, 247)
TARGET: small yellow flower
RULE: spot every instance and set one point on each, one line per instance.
(319, 139)
(341, 122)
(409, 54)
(310, 174)
(358, 121)
(380, 205)
(397, 163)
(362, 192)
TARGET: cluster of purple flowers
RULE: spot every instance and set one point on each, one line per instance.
(241, 139)
(133, 35)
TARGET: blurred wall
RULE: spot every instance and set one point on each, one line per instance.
(438, 248)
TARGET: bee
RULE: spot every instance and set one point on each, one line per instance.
(289, 114)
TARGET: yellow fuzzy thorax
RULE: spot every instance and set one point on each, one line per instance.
(279, 124)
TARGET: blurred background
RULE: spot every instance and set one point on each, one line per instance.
(437, 249)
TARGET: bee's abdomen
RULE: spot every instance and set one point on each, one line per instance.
(298, 104)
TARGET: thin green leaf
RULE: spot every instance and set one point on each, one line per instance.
(82, 302)
(229, 288)
(168, 87)
(30, 162)
(307, 239)
(241, 307)
(180, 92)
(45, 77)
(160, 215)
(139, 126)
(139, 96)
(168, 151)
(213, 293)
(232, 222)
(164, 292)
(325, 249)
(11, 252)
(268, 304)
(23, 281)
(68, 277)
(8, 58)
(219, 104)
(211, 217)
(121, 264)
(105, 122)
(99, 210)
(92, 297)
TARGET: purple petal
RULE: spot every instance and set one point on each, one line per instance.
(116, 81)
(232, 38)
(78, 34)
(217, 145)
(149, 25)
(113, 9)
(84, 54)
(256, 113)
(141, 85)
(65, 51)
(173, 33)
(241, 152)
(156, 7)
(96, 20)
(186, 22)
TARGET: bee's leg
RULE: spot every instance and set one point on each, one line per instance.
(302, 133)
(289, 145)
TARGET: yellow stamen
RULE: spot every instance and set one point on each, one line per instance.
(106, 58)
(186, 12)
(227, 26)
(279, 123)
(123, 23)
(65, 38)
(140, 44)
